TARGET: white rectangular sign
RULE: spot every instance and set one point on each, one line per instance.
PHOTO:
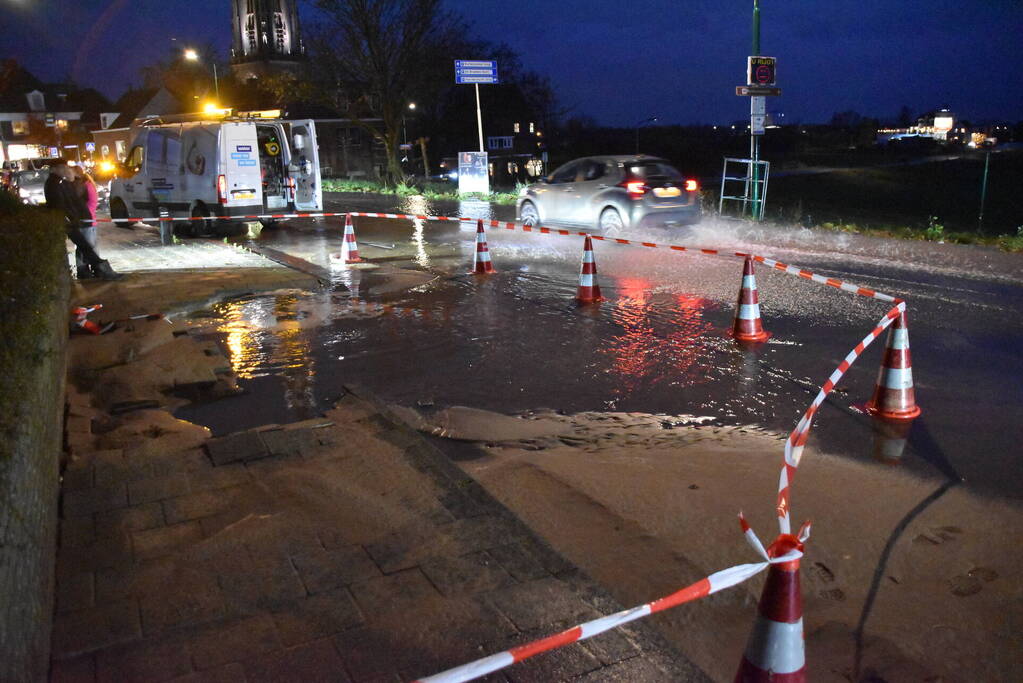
(473, 172)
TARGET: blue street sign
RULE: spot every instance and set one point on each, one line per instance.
(475, 71)
(90, 146)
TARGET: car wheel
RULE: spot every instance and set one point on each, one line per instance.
(610, 223)
(119, 211)
(528, 215)
(269, 223)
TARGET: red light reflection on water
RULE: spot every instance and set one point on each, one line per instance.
(662, 337)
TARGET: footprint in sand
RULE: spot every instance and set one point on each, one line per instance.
(937, 535)
(971, 582)
(826, 576)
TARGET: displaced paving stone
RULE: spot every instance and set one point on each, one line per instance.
(309, 663)
(265, 584)
(324, 570)
(544, 604)
(158, 488)
(406, 549)
(287, 442)
(519, 560)
(187, 599)
(91, 629)
(97, 499)
(221, 477)
(236, 641)
(125, 520)
(317, 616)
(196, 505)
(75, 591)
(146, 661)
(393, 592)
(236, 447)
(103, 553)
(165, 540)
(465, 575)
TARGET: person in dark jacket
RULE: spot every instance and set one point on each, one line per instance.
(62, 194)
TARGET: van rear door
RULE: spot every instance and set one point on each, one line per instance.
(239, 163)
(304, 167)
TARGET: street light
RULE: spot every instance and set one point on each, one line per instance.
(404, 132)
(639, 124)
(193, 56)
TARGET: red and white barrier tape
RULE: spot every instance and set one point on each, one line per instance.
(797, 439)
(709, 585)
(778, 265)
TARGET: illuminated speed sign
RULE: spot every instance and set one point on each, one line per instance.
(760, 70)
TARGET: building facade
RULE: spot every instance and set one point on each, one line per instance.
(267, 38)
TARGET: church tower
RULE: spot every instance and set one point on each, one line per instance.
(267, 38)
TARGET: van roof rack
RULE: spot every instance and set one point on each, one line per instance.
(158, 119)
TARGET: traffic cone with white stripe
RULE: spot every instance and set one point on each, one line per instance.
(775, 650)
(747, 326)
(349, 247)
(83, 324)
(481, 264)
(894, 398)
(589, 290)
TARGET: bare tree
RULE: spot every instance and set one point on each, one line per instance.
(374, 55)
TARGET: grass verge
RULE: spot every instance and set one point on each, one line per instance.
(434, 191)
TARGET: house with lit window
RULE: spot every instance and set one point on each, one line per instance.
(45, 120)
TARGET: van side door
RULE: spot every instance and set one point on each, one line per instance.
(304, 166)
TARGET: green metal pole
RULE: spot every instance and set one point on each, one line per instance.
(983, 192)
(754, 142)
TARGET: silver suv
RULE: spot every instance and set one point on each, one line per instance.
(612, 194)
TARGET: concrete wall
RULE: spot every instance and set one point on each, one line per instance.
(29, 488)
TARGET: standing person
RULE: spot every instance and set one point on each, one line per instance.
(87, 192)
(61, 194)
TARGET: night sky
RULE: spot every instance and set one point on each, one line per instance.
(622, 62)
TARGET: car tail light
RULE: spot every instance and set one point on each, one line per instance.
(692, 186)
(222, 188)
(635, 188)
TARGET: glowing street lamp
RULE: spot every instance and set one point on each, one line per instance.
(193, 56)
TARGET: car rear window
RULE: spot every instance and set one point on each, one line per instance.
(653, 170)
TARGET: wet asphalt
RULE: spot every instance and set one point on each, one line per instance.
(416, 328)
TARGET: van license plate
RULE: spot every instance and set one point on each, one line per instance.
(243, 195)
(667, 192)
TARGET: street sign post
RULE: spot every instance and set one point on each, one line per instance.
(474, 72)
(473, 172)
(761, 70)
(756, 91)
(757, 114)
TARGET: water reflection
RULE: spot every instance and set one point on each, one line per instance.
(659, 342)
(474, 208)
(266, 336)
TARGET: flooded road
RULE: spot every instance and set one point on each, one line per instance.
(415, 328)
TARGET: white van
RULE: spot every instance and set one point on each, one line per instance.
(189, 166)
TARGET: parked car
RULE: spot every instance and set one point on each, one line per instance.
(611, 194)
(28, 185)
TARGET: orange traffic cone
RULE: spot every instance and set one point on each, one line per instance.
(894, 398)
(349, 247)
(481, 264)
(775, 650)
(83, 324)
(747, 326)
(589, 291)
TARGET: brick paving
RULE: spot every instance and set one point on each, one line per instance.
(344, 548)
